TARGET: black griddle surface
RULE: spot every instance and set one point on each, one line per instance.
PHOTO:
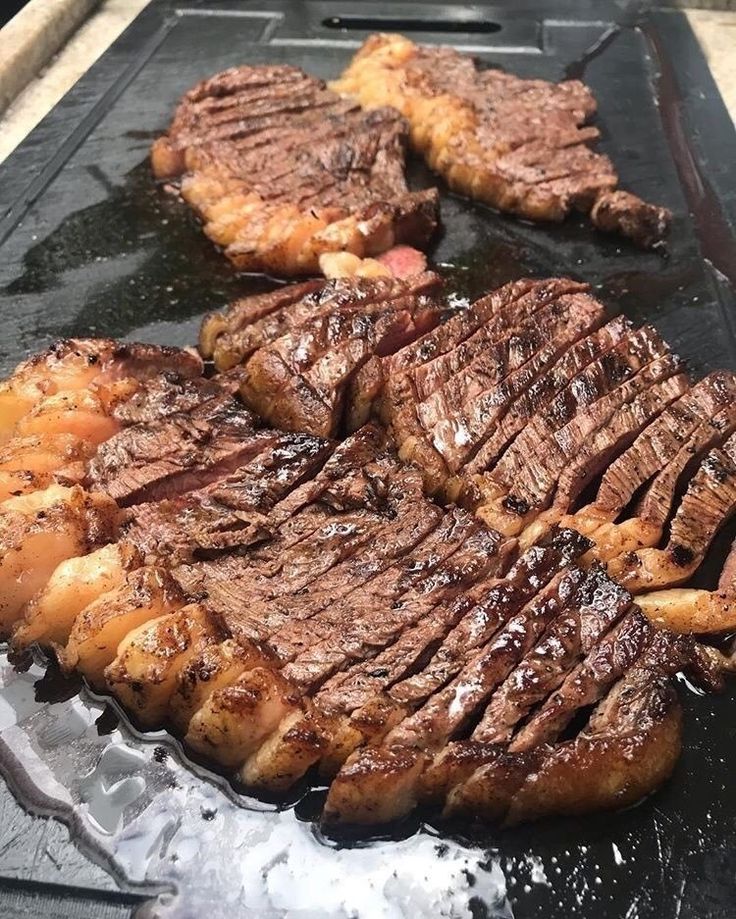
(89, 246)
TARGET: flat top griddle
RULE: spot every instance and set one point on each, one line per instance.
(89, 245)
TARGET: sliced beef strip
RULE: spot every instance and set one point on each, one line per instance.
(488, 359)
(356, 477)
(449, 710)
(385, 380)
(526, 486)
(708, 503)
(628, 749)
(262, 616)
(231, 513)
(544, 390)
(440, 641)
(248, 323)
(588, 682)
(166, 395)
(529, 574)
(397, 383)
(457, 438)
(603, 376)
(608, 442)
(183, 452)
(660, 442)
(601, 602)
(456, 554)
(511, 310)
(367, 634)
(299, 380)
(252, 322)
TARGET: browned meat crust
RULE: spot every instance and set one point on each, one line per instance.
(519, 145)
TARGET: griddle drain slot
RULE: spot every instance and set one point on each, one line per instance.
(406, 24)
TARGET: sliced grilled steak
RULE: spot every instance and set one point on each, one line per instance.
(165, 395)
(233, 335)
(519, 145)
(349, 629)
(605, 663)
(283, 170)
(518, 490)
(430, 653)
(229, 514)
(299, 381)
(660, 442)
(600, 603)
(534, 569)
(488, 357)
(708, 503)
(629, 747)
(450, 709)
(456, 437)
(549, 385)
(322, 570)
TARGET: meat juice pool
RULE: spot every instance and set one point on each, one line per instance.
(166, 828)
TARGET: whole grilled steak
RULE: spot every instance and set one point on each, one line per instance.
(519, 145)
(282, 170)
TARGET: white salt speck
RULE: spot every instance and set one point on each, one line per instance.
(617, 856)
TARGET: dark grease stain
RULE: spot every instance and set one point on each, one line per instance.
(108, 721)
(55, 685)
(145, 258)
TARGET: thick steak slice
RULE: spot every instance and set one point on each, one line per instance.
(431, 652)
(600, 604)
(517, 491)
(448, 710)
(325, 568)
(299, 381)
(247, 324)
(229, 514)
(533, 570)
(166, 395)
(549, 385)
(708, 503)
(319, 646)
(185, 451)
(456, 438)
(588, 682)
(391, 379)
(660, 442)
(629, 748)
